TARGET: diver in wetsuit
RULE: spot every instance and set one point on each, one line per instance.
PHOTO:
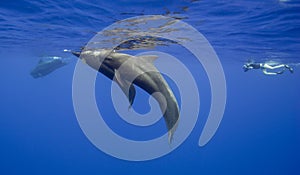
(266, 66)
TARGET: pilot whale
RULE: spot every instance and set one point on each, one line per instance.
(126, 69)
(47, 65)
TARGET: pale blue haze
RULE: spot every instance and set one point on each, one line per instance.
(260, 131)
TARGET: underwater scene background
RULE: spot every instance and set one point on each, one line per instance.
(259, 132)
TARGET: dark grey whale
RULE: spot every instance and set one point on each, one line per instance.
(47, 65)
(140, 70)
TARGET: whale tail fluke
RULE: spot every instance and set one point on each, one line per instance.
(172, 131)
(169, 107)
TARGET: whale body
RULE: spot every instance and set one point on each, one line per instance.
(47, 65)
(127, 70)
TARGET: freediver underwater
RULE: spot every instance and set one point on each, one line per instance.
(268, 68)
(46, 65)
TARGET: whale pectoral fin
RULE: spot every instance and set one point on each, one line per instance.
(149, 58)
(127, 87)
(118, 78)
(131, 95)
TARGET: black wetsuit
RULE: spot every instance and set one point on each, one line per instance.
(255, 65)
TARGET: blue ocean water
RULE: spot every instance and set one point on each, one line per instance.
(259, 133)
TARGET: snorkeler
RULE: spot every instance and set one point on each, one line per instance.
(266, 67)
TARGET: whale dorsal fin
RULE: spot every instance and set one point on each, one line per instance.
(149, 58)
(41, 61)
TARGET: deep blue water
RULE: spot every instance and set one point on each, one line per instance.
(259, 133)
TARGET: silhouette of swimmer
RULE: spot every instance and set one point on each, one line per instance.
(267, 67)
(47, 65)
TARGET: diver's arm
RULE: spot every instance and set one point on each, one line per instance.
(269, 73)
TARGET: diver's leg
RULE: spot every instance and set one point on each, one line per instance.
(268, 73)
(280, 72)
(274, 67)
